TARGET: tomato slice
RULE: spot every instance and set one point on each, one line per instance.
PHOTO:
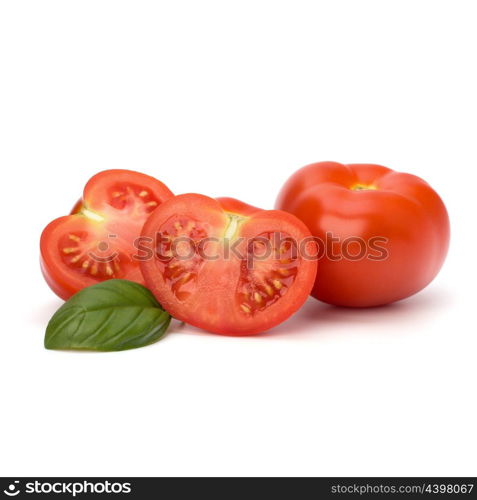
(225, 266)
(97, 241)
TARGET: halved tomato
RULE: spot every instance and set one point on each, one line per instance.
(97, 241)
(225, 266)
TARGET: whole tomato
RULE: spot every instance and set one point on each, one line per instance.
(383, 235)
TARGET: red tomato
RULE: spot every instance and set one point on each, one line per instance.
(96, 242)
(390, 230)
(234, 270)
(238, 207)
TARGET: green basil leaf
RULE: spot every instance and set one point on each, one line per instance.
(110, 316)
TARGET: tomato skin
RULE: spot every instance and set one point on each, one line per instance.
(369, 201)
(235, 206)
(212, 297)
(78, 206)
(94, 219)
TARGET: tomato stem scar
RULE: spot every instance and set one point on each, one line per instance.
(364, 187)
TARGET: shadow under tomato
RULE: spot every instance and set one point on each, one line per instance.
(316, 317)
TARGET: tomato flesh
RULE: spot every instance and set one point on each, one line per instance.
(268, 280)
(227, 272)
(97, 241)
(181, 275)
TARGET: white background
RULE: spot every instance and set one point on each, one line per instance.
(229, 98)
